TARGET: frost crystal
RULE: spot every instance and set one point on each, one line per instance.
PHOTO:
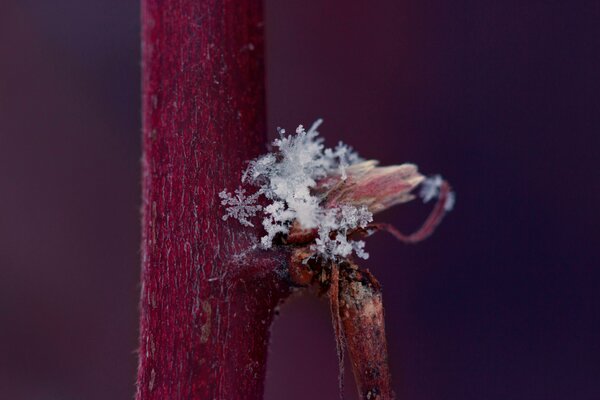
(430, 188)
(341, 221)
(240, 206)
(449, 203)
(287, 177)
(345, 156)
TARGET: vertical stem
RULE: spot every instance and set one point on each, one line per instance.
(205, 307)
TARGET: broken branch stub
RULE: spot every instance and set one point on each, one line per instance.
(362, 317)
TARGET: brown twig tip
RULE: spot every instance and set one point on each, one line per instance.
(362, 317)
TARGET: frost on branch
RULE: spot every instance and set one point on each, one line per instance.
(341, 221)
(329, 193)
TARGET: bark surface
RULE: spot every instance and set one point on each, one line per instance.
(206, 303)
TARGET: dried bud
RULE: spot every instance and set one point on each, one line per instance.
(363, 185)
(377, 188)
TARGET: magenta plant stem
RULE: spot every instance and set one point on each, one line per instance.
(205, 306)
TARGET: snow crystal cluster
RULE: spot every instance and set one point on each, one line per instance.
(286, 178)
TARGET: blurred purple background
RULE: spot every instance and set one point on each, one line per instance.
(501, 97)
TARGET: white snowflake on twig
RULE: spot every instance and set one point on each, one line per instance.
(296, 180)
(342, 220)
(286, 177)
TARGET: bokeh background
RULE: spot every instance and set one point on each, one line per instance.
(501, 97)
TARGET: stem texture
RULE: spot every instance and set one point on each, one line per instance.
(206, 301)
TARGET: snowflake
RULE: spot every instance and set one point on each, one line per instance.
(450, 201)
(346, 156)
(277, 220)
(341, 221)
(430, 188)
(287, 177)
(240, 206)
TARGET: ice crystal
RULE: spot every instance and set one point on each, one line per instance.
(341, 221)
(449, 203)
(286, 177)
(430, 188)
(240, 206)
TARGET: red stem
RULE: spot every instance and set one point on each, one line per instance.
(206, 302)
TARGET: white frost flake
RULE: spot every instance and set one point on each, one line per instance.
(430, 188)
(342, 220)
(286, 177)
(240, 206)
(450, 200)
